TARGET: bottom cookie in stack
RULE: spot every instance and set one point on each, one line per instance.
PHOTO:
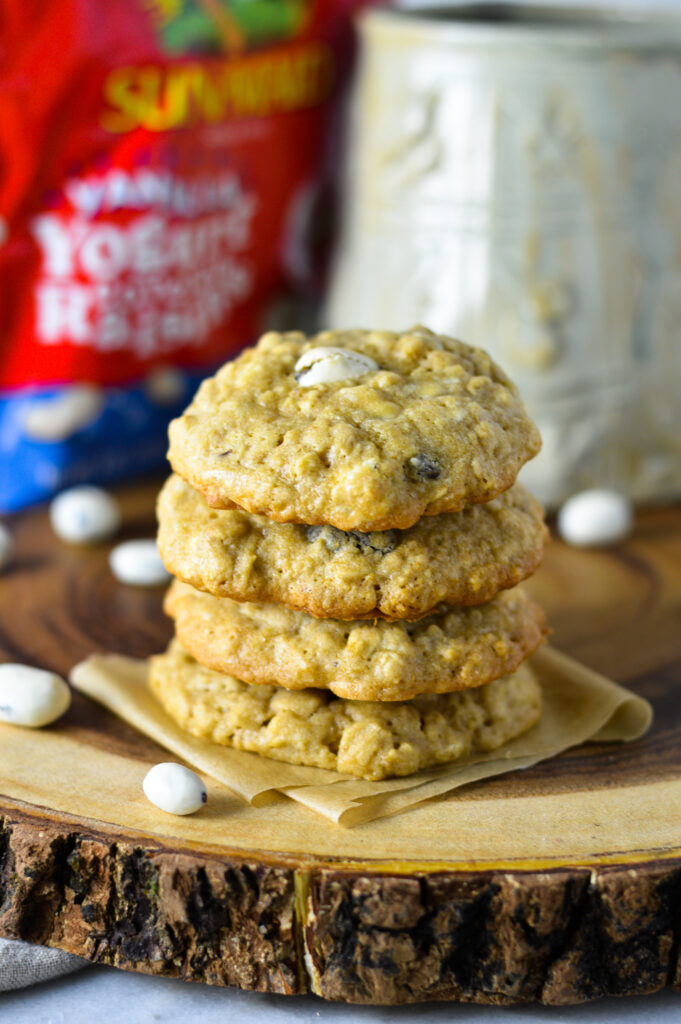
(370, 739)
(370, 699)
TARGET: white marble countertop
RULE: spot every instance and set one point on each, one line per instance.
(109, 996)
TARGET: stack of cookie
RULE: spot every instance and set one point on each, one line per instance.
(344, 529)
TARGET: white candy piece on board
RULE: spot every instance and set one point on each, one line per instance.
(595, 518)
(6, 547)
(174, 788)
(325, 364)
(58, 418)
(84, 515)
(31, 697)
(138, 563)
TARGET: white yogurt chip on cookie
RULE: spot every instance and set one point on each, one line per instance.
(324, 365)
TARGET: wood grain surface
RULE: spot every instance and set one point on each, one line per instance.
(560, 883)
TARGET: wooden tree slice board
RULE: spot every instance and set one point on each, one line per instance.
(560, 883)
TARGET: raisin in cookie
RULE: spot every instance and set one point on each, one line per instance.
(377, 431)
(363, 738)
(463, 557)
(451, 649)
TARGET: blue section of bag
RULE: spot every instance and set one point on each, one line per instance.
(52, 438)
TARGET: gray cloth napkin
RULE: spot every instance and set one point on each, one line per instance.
(22, 964)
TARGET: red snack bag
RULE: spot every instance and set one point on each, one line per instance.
(163, 168)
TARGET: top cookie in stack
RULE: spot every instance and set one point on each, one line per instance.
(354, 475)
(429, 425)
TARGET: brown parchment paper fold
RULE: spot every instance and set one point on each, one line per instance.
(578, 705)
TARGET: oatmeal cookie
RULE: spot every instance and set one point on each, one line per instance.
(463, 557)
(368, 739)
(436, 425)
(451, 649)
